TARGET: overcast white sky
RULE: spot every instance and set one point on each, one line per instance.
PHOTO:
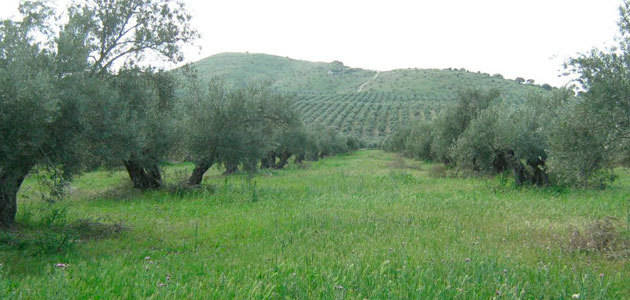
(530, 39)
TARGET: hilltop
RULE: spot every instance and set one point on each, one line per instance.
(367, 103)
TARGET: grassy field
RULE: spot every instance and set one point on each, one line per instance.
(366, 225)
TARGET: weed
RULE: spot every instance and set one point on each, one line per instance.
(602, 236)
(91, 230)
(124, 191)
(253, 190)
(438, 171)
(183, 189)
(53, 215)
(401, 177)
(52, 241)
(400, 162)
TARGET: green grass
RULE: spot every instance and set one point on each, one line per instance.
(365, 225)
(328, 93)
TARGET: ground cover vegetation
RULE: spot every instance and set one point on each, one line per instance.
(363, 225)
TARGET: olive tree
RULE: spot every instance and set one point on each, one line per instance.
(481, 146)
(413, 140)
(36, 122)
(454, 121)
(290, 141)
(512, 138)
(51, 73)
(594, 132)
(579, 154)
(134, 125)
(237, 127)
(124, 33)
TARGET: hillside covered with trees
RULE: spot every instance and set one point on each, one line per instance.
(364, 103)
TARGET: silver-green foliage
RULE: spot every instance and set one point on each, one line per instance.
(591, 135)
(58, 83)
(236, 127)
(36, 116)
(454, 120)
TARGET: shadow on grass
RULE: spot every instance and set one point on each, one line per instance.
(41, 239)
(27, 249)
(400, 162)
(126, 192)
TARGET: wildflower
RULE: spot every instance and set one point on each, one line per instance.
(61, 266)
(575, 296)
(147, 258)
(161, 284)
(601, 275)
(467, 259)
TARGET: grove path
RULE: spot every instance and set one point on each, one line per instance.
(370, 80)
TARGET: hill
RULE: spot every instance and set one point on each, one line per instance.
(367, 103)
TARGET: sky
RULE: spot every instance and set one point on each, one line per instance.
(529, 39)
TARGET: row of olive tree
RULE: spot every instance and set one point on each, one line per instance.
(251, 127)
(79, 95)
(548, 139)
(560, 138)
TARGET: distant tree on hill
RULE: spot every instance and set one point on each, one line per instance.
(337, 66)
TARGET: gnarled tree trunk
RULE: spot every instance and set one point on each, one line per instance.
(284, 159)
(200, 168)
(10, 181)
(518, 169)
(144, 177)
(299, 158)
(230, 168)
(540, 176)
(269, 161)
(500, 163)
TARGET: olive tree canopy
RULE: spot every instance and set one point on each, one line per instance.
(52, 73)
